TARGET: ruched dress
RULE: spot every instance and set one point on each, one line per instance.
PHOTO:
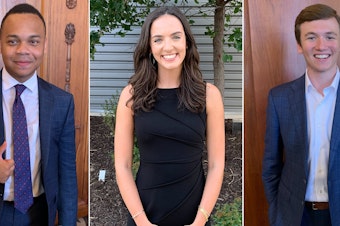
(170, 179)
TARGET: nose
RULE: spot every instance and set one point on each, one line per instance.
(168, 45)
(320, 43)
(22, 48)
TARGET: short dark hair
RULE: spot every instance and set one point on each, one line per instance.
(21, 9)
(314, 12)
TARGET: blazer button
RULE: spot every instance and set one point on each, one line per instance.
(303, 203)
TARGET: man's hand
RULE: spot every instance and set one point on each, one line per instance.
(6, 165)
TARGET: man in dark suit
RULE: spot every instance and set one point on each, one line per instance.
(49, 114)
(301, 165)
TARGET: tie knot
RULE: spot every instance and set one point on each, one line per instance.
(19, 89)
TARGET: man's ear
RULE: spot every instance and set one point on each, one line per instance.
(299, 48)
(46, 44)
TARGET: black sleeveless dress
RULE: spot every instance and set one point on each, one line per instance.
(170, 179)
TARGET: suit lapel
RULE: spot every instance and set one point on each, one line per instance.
(45, 119)
(297, 99)
(2, 136)
(335, 137)
(2, 126)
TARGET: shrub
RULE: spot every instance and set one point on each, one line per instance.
(110, 109)
(228, 214)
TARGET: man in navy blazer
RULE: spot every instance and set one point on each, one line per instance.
(301, 165)
(50, 122)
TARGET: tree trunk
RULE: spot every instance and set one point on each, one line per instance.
(219, 18)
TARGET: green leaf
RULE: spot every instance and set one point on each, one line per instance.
(227, 58)
(229, 214)
(122, 15)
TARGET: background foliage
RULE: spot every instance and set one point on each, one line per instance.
(228, 214)
(120, 16)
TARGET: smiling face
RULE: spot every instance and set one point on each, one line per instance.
(22, 45)
(168, 43)
(320, 45)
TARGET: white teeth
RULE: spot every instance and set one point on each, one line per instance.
(322, 56)
(168, 57)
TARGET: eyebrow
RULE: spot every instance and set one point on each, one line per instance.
(175, 33)
(327, 33)
(16, 36)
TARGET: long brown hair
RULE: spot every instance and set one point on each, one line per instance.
(191, 92)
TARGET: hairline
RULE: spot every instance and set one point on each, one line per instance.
(309, 14)
(33, 12)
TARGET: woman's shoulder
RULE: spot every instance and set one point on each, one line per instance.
(213, 96)
(126, 95)
(212, 91)
(127, 92)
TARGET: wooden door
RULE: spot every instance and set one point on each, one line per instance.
(270, 58)
(66, 65)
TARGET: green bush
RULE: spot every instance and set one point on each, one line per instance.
(228, 214)
(110, 109)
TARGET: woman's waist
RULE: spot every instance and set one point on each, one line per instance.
(165, 174)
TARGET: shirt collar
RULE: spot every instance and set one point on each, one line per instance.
(8, 81)
(334, 84)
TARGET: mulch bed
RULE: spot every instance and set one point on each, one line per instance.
(107, 206)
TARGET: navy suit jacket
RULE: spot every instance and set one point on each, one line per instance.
(58, 155)
(285, 169)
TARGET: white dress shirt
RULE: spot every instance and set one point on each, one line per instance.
(320, 112)
(30, 100)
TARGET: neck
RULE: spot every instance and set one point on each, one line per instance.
(321, 80)
(169, 78)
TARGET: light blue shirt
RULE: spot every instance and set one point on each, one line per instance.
(320, 112)
(30, 100)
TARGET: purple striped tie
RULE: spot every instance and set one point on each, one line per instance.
(23, 197)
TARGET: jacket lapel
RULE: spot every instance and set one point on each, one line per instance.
(297, 99)
(334, 155)
(45, 119)
(2, 137)
(2, 126)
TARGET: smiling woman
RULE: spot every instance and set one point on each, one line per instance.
(175, 116)
(168, 47)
